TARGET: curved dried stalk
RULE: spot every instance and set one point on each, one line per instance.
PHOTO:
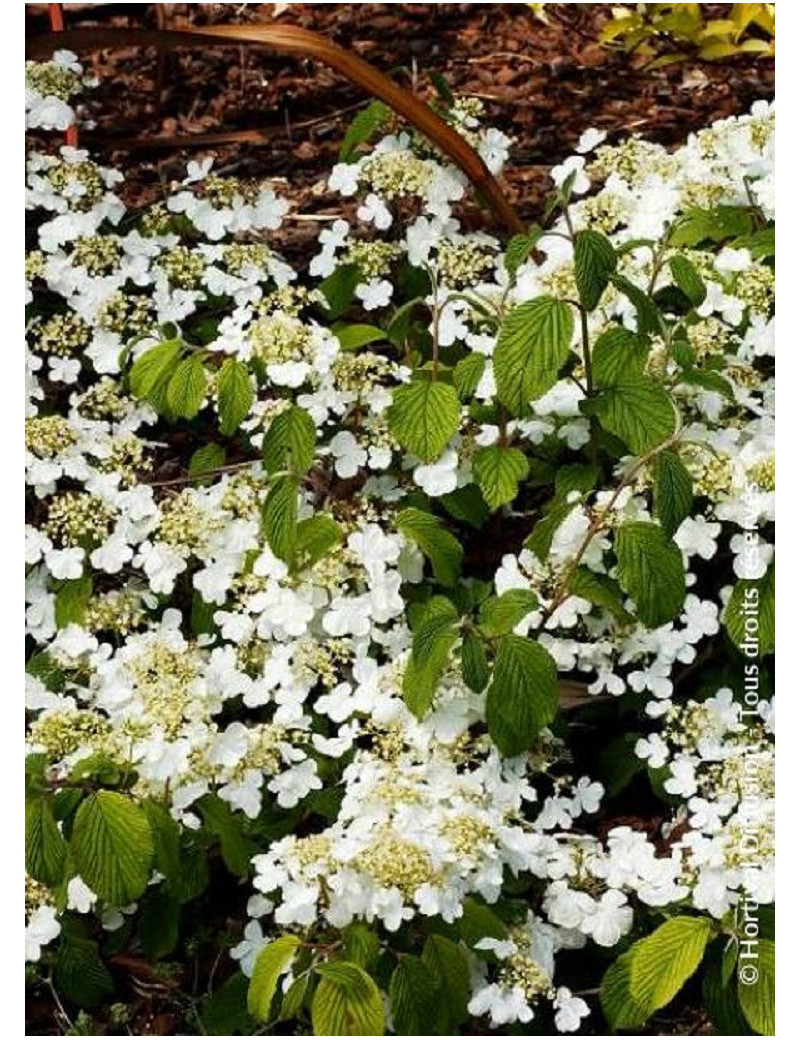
(288, 39)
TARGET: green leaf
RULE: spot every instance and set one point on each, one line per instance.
(150, 373)
(205, 459)
(498, 472)
(500, 615)
(364, 126)
(351, 337)
(434, 637)
(166, 839)
(187, 388)
(468, 505)
(601, 591)
(478, 922)
(757, 1000)
(279, 518)
(541, 537)
(651, 973)
(650, 570)
(112, 846)
(474, 663)
(45, 848)
(224, 1012)
(80, 975)
(237, 849)
(673, 493)
(647, 313)
(346, 1002)
(448, 965)
(234, 396)
(442, 548)
(618, 356)
(467, 374)
(423, 416)
(519, 249)
(595, 262)
(523, 696)
(639, 412)
(339, 289)
(273, 961)
(361, 944)
(532, 346)
(316, 536)
(159, 924)
(290, 441)
(685, 276)
(749, 617)
(72, 600)
(413, 997)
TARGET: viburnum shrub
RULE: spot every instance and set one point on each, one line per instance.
(401, 626)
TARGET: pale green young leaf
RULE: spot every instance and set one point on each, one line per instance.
(499, 615)
(186, 389)
(423, 416)
(757, 1000)
(234, 396)
(532, 346)
(112, 846)
(316, 536)
(498, 473)
(290, 441)
(749, 617)
(273, 961)
(346, 1002)
(150, 373)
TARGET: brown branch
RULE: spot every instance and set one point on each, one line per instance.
(291, 40)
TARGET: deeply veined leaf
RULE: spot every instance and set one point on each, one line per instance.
(234, 395)
(112, 846)
(150, 373)
(595, 262)
(434, 637)
(45, 847)
(207, 458)
(442, 548)
(423, 416)
(351, 337)
(467, 375)
(413, 997)
(650, 974)
(639, 412)
(448, 965)
(618, 356)
(686, 277)
(757, 1000)
(532, 346)
(346, 1002)
(273, 961)
(290, 441)
(650, 570)
(519, 249)
(673, 493)
(523, 695)
(80, 974)
(316, 536)
(187, 388)
(279, 518)
(498, 473)
(499, 615)
(474, 662)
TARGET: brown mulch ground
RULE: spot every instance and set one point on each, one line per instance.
(542, 84)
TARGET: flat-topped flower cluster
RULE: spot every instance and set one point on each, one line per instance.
(264, 606)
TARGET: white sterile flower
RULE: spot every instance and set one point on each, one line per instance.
(575, 164)
(375, 294)
(348, 453)
(653, 749)
(344, 178)
(587, 797)
(65, 564)
(697, 537)
(610, 918)
(501, 1004)
(79, 896)
(40, 930)
(589, 140)
(112, 555)
(198, 170)
(569, 1010)
(253, 942)
(375, 211)
(440, 477)
(752, 556)
(682, 780)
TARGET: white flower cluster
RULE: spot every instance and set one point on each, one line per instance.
(185, 651)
